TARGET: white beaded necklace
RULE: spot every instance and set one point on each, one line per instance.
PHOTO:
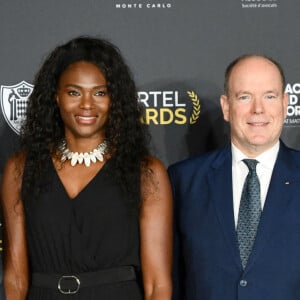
(82, 157)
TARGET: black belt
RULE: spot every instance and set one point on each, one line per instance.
(70, 284)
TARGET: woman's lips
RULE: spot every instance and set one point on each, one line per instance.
(86, 120)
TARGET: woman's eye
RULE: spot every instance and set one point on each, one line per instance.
(100, 93)
(73, 93)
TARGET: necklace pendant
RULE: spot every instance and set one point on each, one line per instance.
(80, 158)
(93, 157)
(83, 157)
(99, 156)
(74, 159)
(86, 158)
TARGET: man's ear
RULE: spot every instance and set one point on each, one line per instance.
(285, 103)
(224, 101)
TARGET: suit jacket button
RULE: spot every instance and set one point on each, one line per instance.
(243, 283)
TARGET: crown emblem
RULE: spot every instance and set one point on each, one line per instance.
(24, 91)
(13, 100)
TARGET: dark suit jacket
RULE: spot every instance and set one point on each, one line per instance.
(207, 264)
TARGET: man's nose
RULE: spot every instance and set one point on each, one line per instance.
(257, 106)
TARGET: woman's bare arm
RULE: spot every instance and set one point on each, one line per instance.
(15, 250)
(156, 232)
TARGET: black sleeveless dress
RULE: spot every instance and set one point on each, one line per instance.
(96, 230)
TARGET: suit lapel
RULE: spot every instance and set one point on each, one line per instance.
(220, 186)
(276, 204)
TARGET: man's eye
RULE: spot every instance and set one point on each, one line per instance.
(244, 97)
(270, 97)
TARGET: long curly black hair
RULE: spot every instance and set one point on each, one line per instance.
(43, 128)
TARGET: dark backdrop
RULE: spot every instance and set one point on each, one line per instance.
(177, 50)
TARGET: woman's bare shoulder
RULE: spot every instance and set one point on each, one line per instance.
(15, 160)
(13, 169)
(155, 165)
(155, 180)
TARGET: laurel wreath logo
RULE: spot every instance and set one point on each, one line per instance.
(196, 107)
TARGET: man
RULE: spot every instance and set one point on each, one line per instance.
(237, 209)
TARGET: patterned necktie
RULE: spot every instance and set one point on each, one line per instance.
(249, 212)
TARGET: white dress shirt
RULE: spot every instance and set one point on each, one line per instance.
(264, 171)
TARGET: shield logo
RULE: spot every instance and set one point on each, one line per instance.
(14, 103)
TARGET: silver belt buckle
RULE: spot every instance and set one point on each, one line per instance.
(68, 292)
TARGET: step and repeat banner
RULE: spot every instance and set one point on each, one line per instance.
(177, 50)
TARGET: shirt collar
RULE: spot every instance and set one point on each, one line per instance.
(266, 159)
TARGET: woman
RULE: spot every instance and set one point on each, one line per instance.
(87, 211)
